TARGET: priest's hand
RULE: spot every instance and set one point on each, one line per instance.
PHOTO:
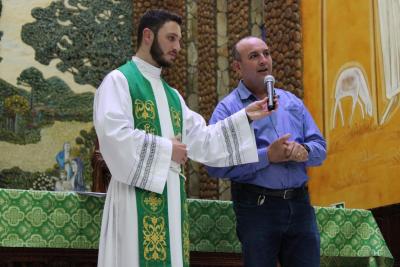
(179, 151)
(298, 152)
(259, 109)
(279, 150)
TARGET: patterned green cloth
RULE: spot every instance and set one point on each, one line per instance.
(349, 237)
(49, 219)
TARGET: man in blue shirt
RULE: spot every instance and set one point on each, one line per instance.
(275, 220)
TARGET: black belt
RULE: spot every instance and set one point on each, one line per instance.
(281, 193)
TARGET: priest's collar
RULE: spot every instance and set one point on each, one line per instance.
(147, 68)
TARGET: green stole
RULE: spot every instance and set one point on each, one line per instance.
(152, 208)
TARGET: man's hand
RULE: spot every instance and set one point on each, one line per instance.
(179, 152)
(297, 152)
(259, 109)
(279, 150)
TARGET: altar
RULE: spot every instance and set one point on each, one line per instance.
(41, 228)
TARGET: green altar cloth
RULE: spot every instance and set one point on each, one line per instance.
(349, 237)
(41, 219)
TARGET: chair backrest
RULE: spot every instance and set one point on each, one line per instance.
(101, 174)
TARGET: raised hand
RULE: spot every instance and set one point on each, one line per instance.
(259, 109)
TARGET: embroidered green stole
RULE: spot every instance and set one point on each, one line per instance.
(152, 208)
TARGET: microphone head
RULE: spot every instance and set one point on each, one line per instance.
(269, 78)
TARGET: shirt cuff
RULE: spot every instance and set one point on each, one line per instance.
(263, 161)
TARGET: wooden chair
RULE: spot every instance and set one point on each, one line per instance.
(101, 174)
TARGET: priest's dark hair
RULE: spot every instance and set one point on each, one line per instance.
(154, 19)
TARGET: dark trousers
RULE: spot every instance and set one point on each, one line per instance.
(274, 228)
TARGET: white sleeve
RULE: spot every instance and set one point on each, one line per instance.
(226, 143)
(132, 156)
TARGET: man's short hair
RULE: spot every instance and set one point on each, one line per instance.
(235, 53)
(154, 19)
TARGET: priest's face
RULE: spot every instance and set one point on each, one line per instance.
(166, 44)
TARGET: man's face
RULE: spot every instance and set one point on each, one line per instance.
(255, 62)
(166, 44)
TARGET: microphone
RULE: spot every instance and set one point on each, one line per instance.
(269, 81)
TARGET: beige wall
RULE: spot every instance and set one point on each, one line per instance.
(363, 161)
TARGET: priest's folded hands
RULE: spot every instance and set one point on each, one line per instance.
(179, 151)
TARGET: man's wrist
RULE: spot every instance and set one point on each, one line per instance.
(306, 148)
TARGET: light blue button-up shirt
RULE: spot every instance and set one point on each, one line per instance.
(291, 117)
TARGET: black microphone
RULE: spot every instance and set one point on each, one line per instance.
(269, 81)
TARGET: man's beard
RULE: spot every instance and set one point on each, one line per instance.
(157, 55)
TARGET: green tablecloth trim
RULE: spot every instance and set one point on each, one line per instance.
(70, 220)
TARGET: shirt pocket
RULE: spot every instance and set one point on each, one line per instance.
(295, 121)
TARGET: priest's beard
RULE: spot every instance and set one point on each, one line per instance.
(157, 54)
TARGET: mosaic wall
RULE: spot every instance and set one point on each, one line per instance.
(54, 54)
(45, 109)
(207, 65)
(284, 37)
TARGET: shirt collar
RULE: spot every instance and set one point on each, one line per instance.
(244, 93)
(146, 67)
